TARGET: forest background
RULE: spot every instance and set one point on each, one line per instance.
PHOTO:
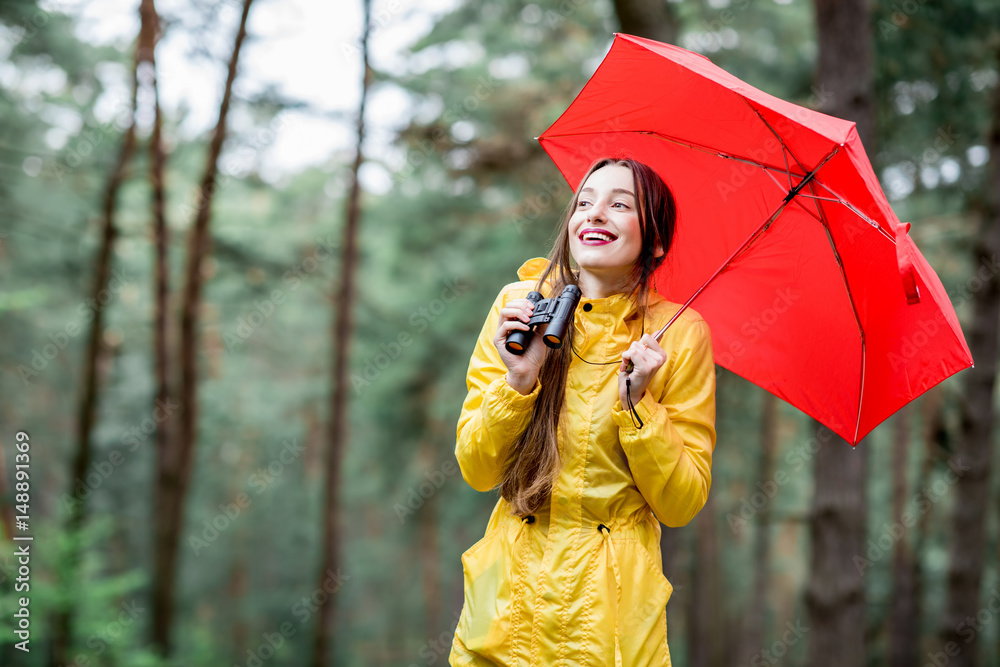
(237, 386)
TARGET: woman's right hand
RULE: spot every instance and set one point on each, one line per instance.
(522, 370)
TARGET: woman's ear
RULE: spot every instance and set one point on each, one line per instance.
(658, 252)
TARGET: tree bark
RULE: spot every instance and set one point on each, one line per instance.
(63, 625)
(844, 70)
(933, 433)
(669, 538)
(653, 19)
(6, 511)
(835, 595)
(903, 636)
(175, 474)
(340, 342)
(974, 449)
(161, 281)
(753, 632)
(707, 646)
(429, 556)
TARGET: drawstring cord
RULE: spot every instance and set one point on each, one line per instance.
(606, 534)
(633, 413)
(517, 591)
(631, 405)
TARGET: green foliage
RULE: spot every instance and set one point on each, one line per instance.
(471, 198)
(111, 610)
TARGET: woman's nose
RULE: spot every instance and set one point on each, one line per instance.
(599, 211)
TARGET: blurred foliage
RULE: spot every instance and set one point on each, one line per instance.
(471, 197)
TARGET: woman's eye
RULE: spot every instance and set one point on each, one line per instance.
(620, 203)
(582, 203)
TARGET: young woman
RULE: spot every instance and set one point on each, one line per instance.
(569, 571)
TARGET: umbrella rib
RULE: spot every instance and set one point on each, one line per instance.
(718, 153)
(750, 239)
(854, 309)
(777, 136)
(858, 213)
(697, 147)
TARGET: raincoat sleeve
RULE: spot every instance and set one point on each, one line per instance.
(494, 414)
(671, 455)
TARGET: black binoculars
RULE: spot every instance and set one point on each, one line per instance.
(556, 313)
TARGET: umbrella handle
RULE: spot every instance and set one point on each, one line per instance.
(657, 336)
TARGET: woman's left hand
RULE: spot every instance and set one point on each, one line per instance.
(646, 356)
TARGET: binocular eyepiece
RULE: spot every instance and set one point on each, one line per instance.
(556, 313)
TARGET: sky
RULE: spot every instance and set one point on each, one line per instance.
(306, 49)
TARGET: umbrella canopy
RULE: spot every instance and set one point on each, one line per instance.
(785, 242)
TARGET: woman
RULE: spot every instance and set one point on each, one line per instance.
(569, 571)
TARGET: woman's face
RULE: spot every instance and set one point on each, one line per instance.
(604, 235)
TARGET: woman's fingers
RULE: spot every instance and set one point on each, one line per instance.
(645, 355)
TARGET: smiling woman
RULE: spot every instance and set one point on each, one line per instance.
(569, 569)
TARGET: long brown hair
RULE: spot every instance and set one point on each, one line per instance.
(534, 461)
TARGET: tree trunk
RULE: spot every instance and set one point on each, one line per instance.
(161, 289)
(341, 330)
(903, 635)
(176, 472)
(753, 631)
(62, 636)
(844, 71)
(164, 471)
(669, 538)
(653, 19)
(974, 449)
(708, 647)
(835, 596)
(237, 600)
(933, 433)
(429, 556)
(6, 511)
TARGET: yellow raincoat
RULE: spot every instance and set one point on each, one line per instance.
(581, 581)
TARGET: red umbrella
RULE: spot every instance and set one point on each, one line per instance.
(785, 242)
